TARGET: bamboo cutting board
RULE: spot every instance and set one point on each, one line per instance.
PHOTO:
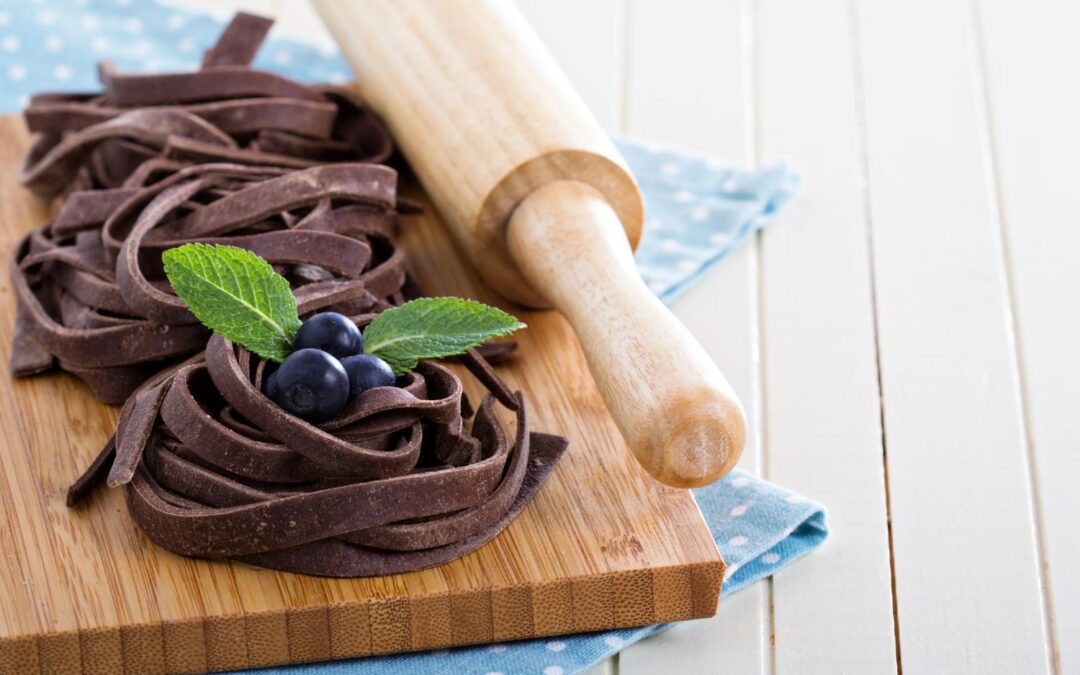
(601, 546)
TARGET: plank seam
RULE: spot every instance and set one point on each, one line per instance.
(989, 139)
(752, 50)
(624, 116)
(861, 123)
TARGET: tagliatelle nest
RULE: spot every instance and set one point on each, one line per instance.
(225, 155)
(212, 468)
(92, 295)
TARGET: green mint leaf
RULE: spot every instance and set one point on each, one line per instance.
(236, 293)
(433, 328)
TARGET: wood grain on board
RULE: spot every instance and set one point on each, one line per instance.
(601, 546)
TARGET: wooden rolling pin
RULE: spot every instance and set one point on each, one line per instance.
(540, 199)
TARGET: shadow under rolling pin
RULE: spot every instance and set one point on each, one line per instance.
(546, 208)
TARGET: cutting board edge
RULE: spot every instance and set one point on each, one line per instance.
(377, 626)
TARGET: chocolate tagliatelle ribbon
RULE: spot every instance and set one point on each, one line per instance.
(212, 468)
(226, 155)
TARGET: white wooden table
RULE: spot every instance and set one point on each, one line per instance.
(906, 337)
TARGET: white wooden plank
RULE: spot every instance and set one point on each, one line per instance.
(689, 85)
(689, 78)
(224, 9)
(586, 39)
(297, 19)
(1031, 53)
(606, 667)
(964, 544)
(833, 612)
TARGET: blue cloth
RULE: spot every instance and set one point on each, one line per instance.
(698, 211)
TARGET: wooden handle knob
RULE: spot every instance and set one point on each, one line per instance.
(677, 413)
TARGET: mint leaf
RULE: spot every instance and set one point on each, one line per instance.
(236, 293)
(433, 328)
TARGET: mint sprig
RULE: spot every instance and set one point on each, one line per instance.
(237, 294)
(433, 328)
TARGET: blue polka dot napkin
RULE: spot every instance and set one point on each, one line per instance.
(698, 210)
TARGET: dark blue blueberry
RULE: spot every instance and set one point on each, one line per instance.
(312, 384)
(366, 372)
(270, 387)
(331, 332)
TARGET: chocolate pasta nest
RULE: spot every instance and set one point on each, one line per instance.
(212, 468)
(226, 154)
(224, 112)
(92, 293)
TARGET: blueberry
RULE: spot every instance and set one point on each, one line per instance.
(331, 332)
(312, 384)
(270, 387)
(367, 371)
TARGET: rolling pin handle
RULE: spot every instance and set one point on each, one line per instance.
(678, 414)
